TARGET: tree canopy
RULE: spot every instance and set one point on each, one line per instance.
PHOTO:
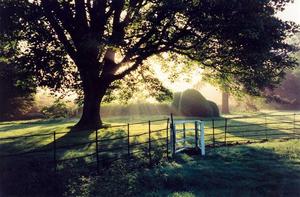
(16, 89)
(90, 44)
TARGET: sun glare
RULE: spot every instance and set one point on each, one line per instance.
(291, 12)
(180, 84)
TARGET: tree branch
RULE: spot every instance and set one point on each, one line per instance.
(80, 15)
(98, 18)
(54, 22)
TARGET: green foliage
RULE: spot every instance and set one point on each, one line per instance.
(193, 103)
(16, 90)
(57, 110)
(28, 177)
(285, 96)
(115, 181)
(68, 46)
(16, 85)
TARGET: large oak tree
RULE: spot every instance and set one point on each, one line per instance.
(90, 44)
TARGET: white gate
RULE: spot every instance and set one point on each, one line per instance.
(187, 134)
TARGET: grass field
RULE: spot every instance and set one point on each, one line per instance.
(242, 129)
(267, 169)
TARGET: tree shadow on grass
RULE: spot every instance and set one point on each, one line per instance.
(35, 174)
(236, 171)
(233, 171)
(18, 125)
(28, 163)
(72, 153)
(40, 137)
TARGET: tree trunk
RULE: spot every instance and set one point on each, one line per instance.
(225, 103)
(90, 118)
(94, 89)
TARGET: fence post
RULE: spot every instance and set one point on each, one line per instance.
(266, 134)
(225, 137)
(128, 141)
(184, 135)
(294, 129)
(196, 135)
(213, 127)
(167, 138)
(54, 151)
(149, 140)
(173, 135)
(97, 151)
(174, 139)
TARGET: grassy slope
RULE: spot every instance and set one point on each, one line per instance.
(21, 128)
(255, 170)
(267, 169)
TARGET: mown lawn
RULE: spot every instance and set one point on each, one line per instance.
(65, 137)
(266, 169)
(238, 129)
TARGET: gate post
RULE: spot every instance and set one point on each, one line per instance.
(173, 140)
(202, 141)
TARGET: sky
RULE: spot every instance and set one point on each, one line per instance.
(291, 13)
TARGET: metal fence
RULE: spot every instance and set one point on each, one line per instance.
(250, 129)
(146, 142)
(141, 141)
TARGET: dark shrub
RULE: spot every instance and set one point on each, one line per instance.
(214, 108)
(192, 103)
(34, 115)
(57, 110)
(16, 99)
